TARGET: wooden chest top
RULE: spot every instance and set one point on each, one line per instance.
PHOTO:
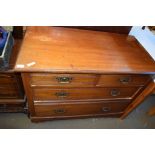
(57, 49)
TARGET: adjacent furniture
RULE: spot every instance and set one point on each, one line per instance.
(70, 73)
(11, 92)
(12, 96)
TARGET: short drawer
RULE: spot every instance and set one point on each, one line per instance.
(123, 80)
(95, 108)
(61, 80)
(84, 93)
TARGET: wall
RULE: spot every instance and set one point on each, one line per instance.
(146, 38)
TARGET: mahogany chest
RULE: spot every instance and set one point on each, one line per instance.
(69, 73)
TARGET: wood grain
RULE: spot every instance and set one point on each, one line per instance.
(56, 49)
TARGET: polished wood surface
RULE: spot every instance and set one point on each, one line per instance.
(56, 49)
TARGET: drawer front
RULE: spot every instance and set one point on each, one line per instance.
(6, 79)
(12, 107)
(83, 93)
(74, 109)
(8, 92)
(11, 86)
(61, 80)
(123, 80)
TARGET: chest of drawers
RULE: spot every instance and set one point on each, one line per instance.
(12, 96)
(79, 95)
(75, 73)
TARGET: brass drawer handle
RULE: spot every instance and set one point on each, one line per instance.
(115, 92)
(61, 94)
(59, 111)
(125, 80)
(64, 79)
(105, 109)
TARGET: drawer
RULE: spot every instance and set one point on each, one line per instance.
(6, 79)
(8, 92)
(123, 80)
(95, 108)
(84, 93)
(11, 86)
(13, 107)
(61, 80)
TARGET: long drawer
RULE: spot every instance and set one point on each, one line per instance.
(84, 93)
(96, 108)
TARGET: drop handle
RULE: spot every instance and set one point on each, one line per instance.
(115, 92)
(61, 94)
(106, 109)
(64, 80)
(59, 111)
(125, 80)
